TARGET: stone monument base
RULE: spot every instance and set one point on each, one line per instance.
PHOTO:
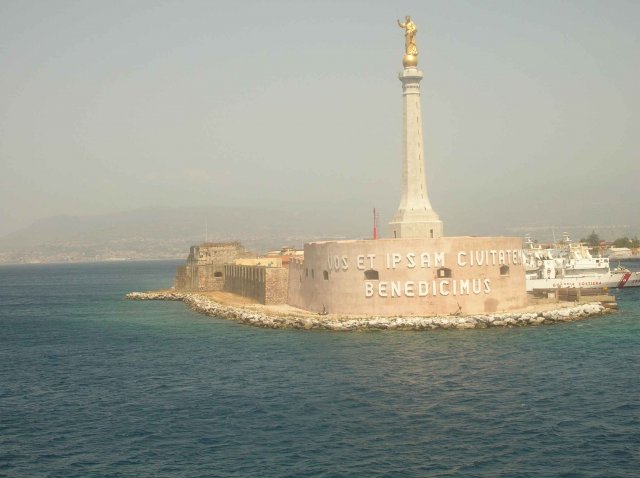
(414, 276)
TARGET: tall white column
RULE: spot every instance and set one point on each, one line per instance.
(415, 216)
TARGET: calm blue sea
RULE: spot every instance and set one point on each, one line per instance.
(94, 385)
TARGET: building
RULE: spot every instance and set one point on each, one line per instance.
(229, 267)
(417, 271)
(413, 276)
(204, 270)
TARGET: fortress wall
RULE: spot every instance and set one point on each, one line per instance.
(210, 277)
(182, 279)
(294, 286)
(276, 286)
(265, 285)
(410, 276)
(217, 253)
(194, 277)
(204, 270)
(247, 281)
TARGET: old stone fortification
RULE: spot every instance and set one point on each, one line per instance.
(228, 266)
(204, 270)
(265, 285)
(414, 276)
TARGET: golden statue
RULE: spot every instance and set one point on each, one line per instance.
(410, 58)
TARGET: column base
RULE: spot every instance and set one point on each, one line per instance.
(427, 229)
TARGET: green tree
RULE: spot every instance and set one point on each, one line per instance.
(592, 240)
(622, 242)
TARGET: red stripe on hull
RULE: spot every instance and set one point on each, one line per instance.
(624, 280)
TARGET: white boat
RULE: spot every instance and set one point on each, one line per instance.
(570, 265)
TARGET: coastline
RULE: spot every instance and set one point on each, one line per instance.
(84, 262)
(287, 317)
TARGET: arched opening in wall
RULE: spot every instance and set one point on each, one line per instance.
(431, 231)
(217, 274)
(443, 272)
(371, 274)
(312, 274)
(306, 272)
(504, 270)
(325, 274)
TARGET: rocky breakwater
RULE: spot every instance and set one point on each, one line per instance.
(269, 319)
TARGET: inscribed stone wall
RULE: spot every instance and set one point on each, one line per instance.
(387, 277)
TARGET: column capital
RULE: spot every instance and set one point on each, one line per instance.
(410, 74)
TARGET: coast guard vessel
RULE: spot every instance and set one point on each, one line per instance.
(570, 265)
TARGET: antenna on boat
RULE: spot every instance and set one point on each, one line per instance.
(527, 241)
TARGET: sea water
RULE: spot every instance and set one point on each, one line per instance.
(94, 385)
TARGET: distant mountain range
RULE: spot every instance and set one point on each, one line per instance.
(156, 233)
(167, 232)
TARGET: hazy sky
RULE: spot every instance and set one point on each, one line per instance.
(530, 108)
